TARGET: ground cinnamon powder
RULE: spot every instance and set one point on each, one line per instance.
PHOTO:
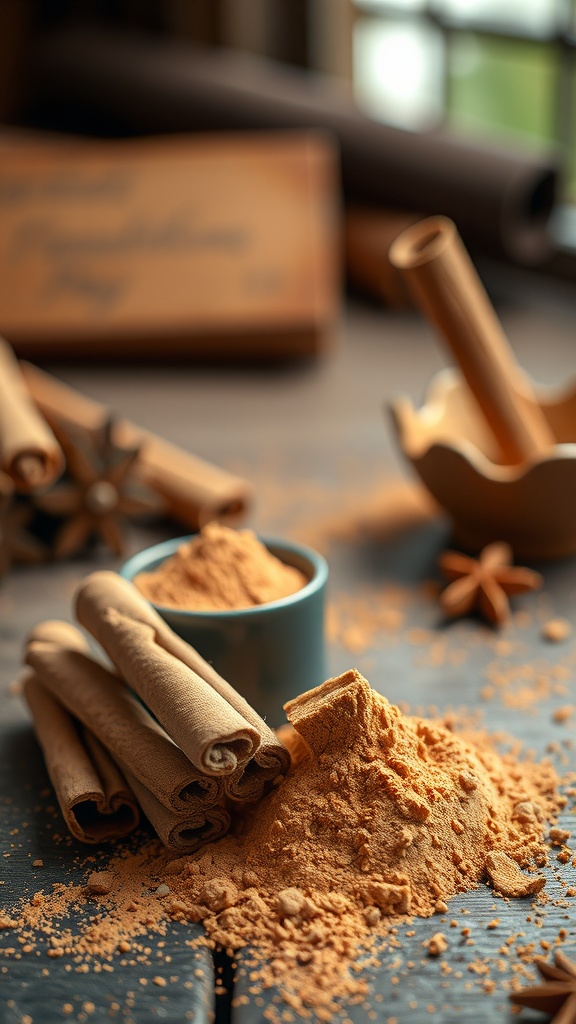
(382, 816)
(220, 569)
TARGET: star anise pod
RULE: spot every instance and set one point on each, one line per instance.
(557, 993)
(484, 583)
(100, 492)
(16, 543)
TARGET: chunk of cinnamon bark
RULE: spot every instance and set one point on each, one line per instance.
(508, 879)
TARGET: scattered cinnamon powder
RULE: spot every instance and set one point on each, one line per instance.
(220, 569)
(363, 620)
(388, 513)
(359, 836)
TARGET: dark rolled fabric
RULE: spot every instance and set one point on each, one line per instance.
(500, 198)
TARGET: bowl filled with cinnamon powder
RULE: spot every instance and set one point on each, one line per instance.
(253, 607)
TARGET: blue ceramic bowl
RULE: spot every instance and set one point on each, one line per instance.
(270, 652)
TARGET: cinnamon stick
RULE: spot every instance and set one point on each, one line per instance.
(185, 808)
(195, 491)
(59, 655)
(271, 759)
(184, 832)
(216, 727)
(96, 803)
(29, 453)
(215, 737)
(448, 290)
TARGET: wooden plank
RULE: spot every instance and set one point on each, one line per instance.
(217, 245)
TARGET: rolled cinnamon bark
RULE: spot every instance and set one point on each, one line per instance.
(195, 491)
(58, 654)
(96, 803)
(271, 759)
(29, 453)
(249, 783)
(183, 833)
(197, 707)
(216, 737)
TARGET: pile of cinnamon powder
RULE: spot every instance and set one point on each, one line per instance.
(381, 816)
(220, 569)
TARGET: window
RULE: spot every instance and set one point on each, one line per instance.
(499, 69)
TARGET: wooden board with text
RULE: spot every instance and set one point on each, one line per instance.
(214, 245)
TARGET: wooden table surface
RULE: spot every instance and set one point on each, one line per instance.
(318, 445)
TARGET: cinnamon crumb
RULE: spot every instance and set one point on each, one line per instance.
(99, 883)
(437, 944)
(556, 630)
(563, 714)
(558, 836)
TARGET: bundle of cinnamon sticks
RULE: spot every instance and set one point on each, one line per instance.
(44, 424)
(160, 731)
(194, 491)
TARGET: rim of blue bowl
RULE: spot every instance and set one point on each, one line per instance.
(150, 558)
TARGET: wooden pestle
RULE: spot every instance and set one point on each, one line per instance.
(446, 287)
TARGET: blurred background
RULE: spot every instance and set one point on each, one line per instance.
(462, 107)
(487, 68)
